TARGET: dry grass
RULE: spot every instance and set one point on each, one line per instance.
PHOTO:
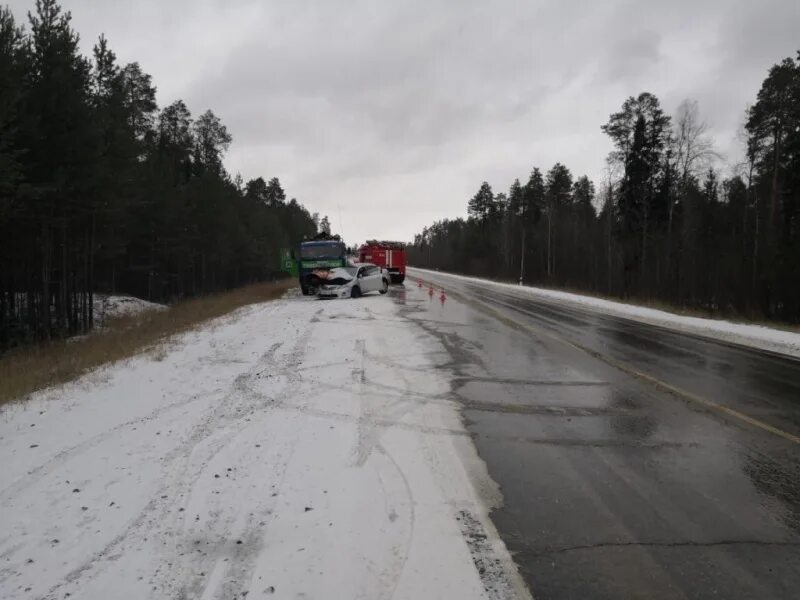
(29, 369)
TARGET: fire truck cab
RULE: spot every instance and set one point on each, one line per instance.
(388, 255)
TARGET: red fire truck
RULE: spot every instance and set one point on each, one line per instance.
(389, 255)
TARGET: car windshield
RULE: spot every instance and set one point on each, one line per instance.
(343, 273)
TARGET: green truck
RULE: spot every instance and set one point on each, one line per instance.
(312, 260)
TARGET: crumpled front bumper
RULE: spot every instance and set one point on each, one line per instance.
(339, 292)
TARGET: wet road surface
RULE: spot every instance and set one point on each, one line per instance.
(614, 486)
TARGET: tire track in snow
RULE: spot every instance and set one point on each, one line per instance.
(234, 576)
(376, 409)
(376, 417)
(391, 574)
(405, 406)
(58, 460)
(186, 581)
(227, 413)
(64, 456)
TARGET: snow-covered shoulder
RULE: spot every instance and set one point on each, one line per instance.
(298, 448)
(756, 336)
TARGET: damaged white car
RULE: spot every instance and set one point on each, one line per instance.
(353, 281)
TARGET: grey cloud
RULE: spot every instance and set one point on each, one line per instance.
(634, 54)
(396, 111)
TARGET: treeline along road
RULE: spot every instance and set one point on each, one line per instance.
(669, 223)
(103, 190)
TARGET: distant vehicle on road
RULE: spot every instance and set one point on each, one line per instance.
(389, 255)
(315, 259)
(354, 281)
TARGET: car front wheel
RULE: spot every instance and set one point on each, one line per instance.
(384, 286)
(355, 292)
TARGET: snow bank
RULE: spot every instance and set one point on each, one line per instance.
(300, 448)
(110, 306)
(756, 336)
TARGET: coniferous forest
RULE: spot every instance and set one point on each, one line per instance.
(103, 190)
(664, 226)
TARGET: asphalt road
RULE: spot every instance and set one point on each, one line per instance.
(634, 462)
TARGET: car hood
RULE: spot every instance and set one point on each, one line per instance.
(337, 277)
(338, 273)
(337, 282)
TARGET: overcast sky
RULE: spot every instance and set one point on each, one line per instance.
(391, 114)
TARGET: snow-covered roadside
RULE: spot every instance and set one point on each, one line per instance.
(109, 306)
(757, 336)
(296, 448)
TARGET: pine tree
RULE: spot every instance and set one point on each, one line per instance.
(480, 205)
(325, 225)
(773, 128)
(62, 160)
(771, 120)
(140, 103)
(640, 132)
(211, 141)
(13, 63)
(558, 190)
(275, 196)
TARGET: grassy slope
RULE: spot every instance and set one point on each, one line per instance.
(29, 369)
